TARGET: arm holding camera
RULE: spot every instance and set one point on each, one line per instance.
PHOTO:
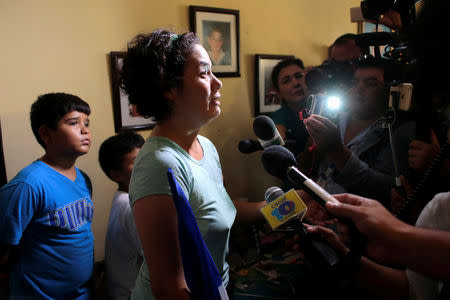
(327, 139)
(373, 178)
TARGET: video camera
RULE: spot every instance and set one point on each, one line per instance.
(400, 73)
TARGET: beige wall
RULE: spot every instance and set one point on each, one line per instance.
(54, 45)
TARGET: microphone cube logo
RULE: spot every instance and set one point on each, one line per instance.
(283, 209)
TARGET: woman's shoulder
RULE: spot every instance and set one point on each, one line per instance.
(206, 144)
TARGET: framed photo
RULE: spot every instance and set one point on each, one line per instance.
(218, 31)
(125, 116)
(366, 27)
(266, 99)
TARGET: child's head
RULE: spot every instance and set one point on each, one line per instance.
(116, 156)
(50, 108)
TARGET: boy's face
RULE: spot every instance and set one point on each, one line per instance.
(71, 137)
(123, 177)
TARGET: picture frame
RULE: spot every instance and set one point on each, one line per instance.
(218, 31)
(125, 116)
(266, 100)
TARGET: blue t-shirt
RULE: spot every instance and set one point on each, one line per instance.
(202, 183)
(48, 216)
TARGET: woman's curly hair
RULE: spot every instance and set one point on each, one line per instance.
(153, 64)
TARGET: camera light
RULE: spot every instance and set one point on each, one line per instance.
(333, 103)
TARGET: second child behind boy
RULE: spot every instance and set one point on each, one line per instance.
(123, 250)
(46, 209)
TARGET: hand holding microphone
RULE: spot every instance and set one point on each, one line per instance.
(281, 163)
(289, 209)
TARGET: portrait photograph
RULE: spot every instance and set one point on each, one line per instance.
(266, 98)
(218, 31)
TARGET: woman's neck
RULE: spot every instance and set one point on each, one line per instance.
(184, 137)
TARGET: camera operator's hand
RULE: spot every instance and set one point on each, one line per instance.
(324, 133)
(374, 221)
(420, 154)
(391, 19)
(327, 139)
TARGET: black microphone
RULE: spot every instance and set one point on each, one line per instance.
(280, 162)
(248, 146)
(266, 131)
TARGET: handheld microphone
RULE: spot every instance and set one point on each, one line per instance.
(266, 131)
(280, 162)
(248, 146)
(288, 208)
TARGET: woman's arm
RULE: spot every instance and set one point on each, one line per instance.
(156, 222)
(249, 211)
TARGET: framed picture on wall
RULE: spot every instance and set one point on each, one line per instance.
(266, 99)
(218, 31)
(125, 116)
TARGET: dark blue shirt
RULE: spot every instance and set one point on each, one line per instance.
(295, 129)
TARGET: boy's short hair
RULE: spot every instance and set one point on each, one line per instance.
(49, 108)
(114, 148)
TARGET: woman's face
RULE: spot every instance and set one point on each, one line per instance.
(198, 96)
(291, 84)
(215, 41)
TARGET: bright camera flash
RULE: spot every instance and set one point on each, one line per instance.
(333, 103)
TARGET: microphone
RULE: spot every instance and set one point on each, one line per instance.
(280, 162)
(248, 146)
(273, 193)
(289, 208)
(266, 131)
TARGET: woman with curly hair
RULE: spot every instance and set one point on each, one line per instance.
(168, 77)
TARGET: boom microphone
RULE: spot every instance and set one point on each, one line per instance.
(248, 146)
(266, 131)
(281, 163)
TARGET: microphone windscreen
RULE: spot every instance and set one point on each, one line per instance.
(277, 160)
(273, 193)
(248, 146)
(264, 127)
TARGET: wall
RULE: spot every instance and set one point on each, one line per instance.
(53, 45)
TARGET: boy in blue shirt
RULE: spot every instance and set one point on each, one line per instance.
(46, 209)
